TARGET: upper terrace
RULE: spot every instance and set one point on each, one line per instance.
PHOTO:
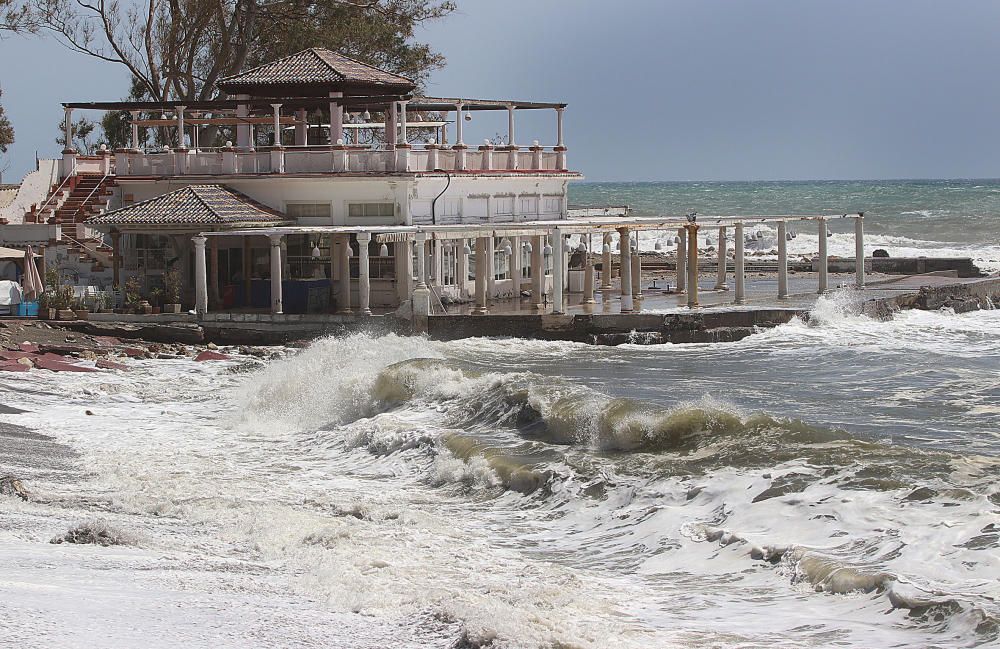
(315, 112)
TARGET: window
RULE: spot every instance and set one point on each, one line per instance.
(371, 210)
(504, 205)
(308, 210)
(151, 252)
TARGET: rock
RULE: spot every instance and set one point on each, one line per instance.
(28, 347)
(110, 365)
(59, 365)
(87, 412)
(95, 533)
(212, 346)
(11, 486)
(71, 338)
(134, 352)
(25, 361)
(88, 355)
(209, 355)
(13, 366)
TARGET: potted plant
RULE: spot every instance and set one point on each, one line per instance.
(64, 303)
(156, 297)
(133, 297)
(80, 309)
(172, 290)
(47, 306)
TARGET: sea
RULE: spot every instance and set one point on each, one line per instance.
(830, 483)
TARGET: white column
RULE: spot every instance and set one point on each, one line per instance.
(740, 270)
(682, 260)
(390, 124)
(588, 274)
(462, 267)
(344, 250)
(200, 277)
(538, 271)
(402, 122)
(625, 251)
(491, 267)
(336, 118)
(636, 273)
(180, 127)
(275, 273)
(301, 127)
(782, 261)
(560, 144)
(458, 124)
(481, 270)
(823, 276)
(68, 129)
(421, 247)
(692, 265)
(135, 130)
(364, 274)
(243, 140)
(606, 261)
(510, 125)
(720, 279)
(859, 250)
(558, 270)
(277, 124)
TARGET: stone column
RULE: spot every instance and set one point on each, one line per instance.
(243, 140)
(558, 271)
(491, 268)
(275, 272)
(782, 261)
(421, 299)
(859, 250)
(481, 270)
(462, 267)
(301, 127)
(69, 153)
(459, 139)
(116, 258)
(681, 259)
(135, 130)
(214, 297)
(421, 248)
(200, 277)
(345, 274)
(625, 252)
(692, 265)
(511, 141)
(720, 278)
(390, 125)
(538, 271)
(606, 262)
(364, 274)
(402, 123)
(823, 277)
(560, 144)
(636, 275)
(336, 118)
(588, 275)
(740, 270)
(181, 145)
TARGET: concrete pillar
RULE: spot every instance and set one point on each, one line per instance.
(692, 265)
(437, 265)
(364, 274)
(538, 271)
(625, 249)
(135, 130)
(344, 259)
(461, 266)
(200, 277)
(68, 129)
(682, 269)
(421, 248)
(482, 268)
(588, 275)
(391, 119)
(720, 279)
(606, 262)
(740, 271)
(782, 261)
(859, 250)
(301, 127)
(276, 272)
(558, 271)
(243, 141)
(823, 276)
(214, 296)
(491, 268)
(181, 144)
(510, 126)
(421, 299)
(116, 258)
(636, 271)
(336, 118)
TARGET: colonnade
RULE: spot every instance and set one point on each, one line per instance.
(550, 241)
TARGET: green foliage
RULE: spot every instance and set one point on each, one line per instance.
(172, 285)
(85, 141)
(6, 130)
(133, 291)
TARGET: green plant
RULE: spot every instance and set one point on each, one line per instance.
(172, 285)
(156, 296)
(133, 290)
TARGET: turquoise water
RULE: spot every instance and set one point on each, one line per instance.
(929, 217)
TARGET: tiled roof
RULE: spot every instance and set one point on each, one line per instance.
(316, 65)
(195, 205)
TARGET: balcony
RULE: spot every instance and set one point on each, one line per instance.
(229, 161)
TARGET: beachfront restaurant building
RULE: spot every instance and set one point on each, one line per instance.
(291, 178)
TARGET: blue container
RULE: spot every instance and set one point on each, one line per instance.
(27, 309)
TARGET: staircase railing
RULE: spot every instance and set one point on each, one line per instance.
(437, 297)
(93, 252)
(99, 185)
(54, 194)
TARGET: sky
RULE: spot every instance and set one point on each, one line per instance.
(673, 90)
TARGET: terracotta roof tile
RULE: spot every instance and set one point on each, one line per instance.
(195, 205)
(318, 66)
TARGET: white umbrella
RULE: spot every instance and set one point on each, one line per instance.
(32, 281)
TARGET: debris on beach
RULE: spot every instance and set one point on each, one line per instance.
(11, 486)
(93, 533)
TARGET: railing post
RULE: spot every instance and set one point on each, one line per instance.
(782, 261)
(859, 250)
(229, 158)
(536, 155)
(823, 266)
(560, 148)
(340, 160)
(740, 271)
(432, 156)
(487, 151)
